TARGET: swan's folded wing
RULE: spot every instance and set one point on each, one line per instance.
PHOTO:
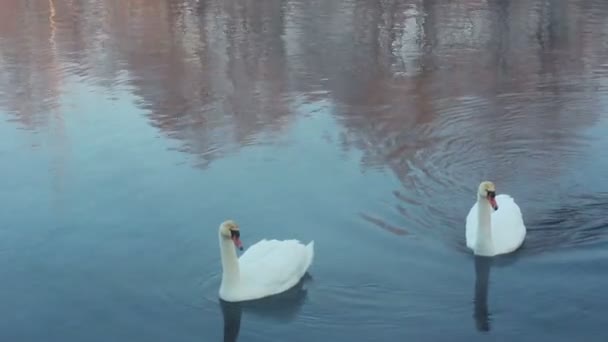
(257, 251)
(508, 229)
(274, 265)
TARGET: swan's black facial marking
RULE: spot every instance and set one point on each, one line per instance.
(491, 194)
(235, 233)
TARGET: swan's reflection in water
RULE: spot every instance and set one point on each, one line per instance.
(232, 320)
(482, 277)
(283, 307)
(483, 265)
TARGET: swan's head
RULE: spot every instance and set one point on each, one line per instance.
(487, 191)
(230, 230)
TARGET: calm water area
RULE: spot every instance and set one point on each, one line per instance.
(129, 130)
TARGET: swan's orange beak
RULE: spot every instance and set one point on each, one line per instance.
(492, 200)
(235, 235)
(237, 242)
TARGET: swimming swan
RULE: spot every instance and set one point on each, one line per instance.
(494, 224)
(267, 268)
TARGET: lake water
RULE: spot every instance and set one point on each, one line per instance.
(129, 130)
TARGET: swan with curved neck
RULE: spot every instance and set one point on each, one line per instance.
(266, 268)
(486, 203)
(230, 237)
(489, 230)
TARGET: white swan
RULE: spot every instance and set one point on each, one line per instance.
(498, 231)
(267, 268)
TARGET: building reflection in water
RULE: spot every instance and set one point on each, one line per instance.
(431, 90)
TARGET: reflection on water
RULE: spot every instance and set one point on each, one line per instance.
(482, 282)
(280, 308)
(232, 313)
(309, 119)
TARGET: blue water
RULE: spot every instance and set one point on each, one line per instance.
(129, 132)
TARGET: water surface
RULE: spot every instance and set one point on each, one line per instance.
(130, 129)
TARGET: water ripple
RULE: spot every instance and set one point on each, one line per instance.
(498, 148)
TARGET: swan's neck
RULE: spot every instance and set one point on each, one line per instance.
(484, 245)
(230, 263)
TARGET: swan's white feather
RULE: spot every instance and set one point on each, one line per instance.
(271, 267)
(508, 229)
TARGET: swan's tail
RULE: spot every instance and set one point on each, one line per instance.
(310, 251)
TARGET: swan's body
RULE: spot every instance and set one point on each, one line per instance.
(267, 268)
(492, 232)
